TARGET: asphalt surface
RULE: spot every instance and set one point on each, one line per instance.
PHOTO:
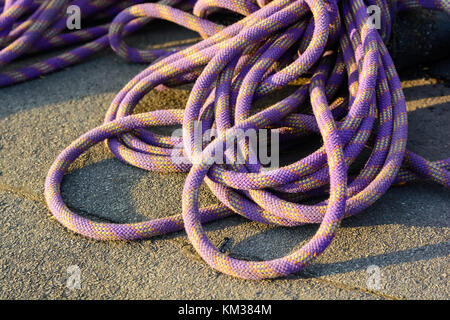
(405, 234)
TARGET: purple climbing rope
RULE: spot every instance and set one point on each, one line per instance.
(353, 99)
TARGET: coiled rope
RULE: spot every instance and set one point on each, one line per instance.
(275, 43)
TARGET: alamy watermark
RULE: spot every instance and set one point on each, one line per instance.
(245, 146)
(374, 20)
(73, 277)
(374, 280)
(73, 21)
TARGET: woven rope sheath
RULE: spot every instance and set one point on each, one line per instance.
(354, 95)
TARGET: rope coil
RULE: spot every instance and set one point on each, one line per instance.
(354, 96)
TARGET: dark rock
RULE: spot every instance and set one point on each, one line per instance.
(419, 36)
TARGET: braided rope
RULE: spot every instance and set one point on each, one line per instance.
(274, 44)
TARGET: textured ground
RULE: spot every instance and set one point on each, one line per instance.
(406, 233)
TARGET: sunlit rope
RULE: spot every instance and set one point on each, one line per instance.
(353, 100)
